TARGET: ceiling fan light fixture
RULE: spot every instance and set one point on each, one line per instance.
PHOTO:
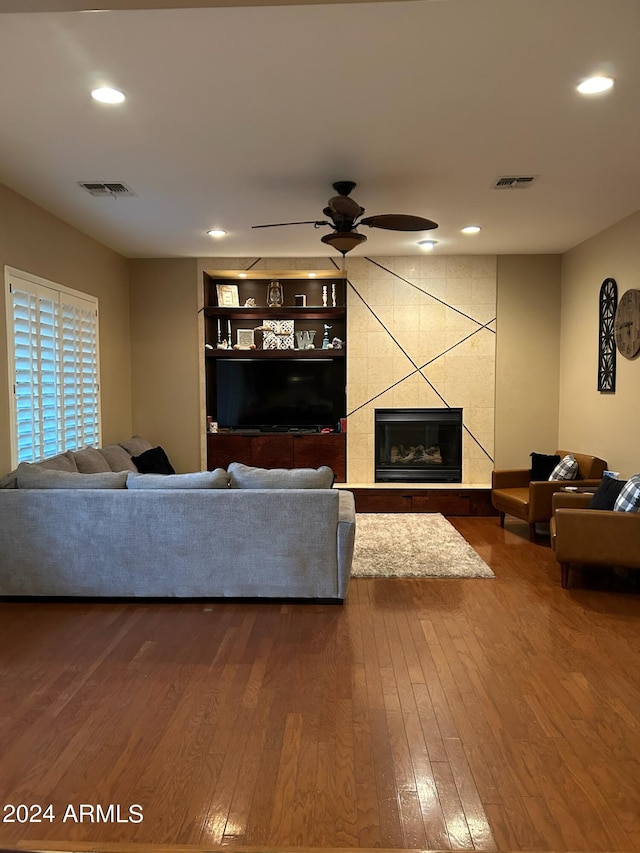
(344, 241)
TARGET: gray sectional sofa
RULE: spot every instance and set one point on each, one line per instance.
(115, 532)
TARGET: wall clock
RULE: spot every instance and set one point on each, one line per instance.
(627, 324)
(606, 336)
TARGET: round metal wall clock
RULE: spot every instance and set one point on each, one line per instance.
(606, 339)
(627, 324)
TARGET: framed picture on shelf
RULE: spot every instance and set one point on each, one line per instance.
(245, 339)
(228, 295)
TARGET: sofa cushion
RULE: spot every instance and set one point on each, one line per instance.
(136, 445)
(153, 461)
(10, 480)
(606, 494)
(566, 469)
(218, 479)
(245, 477)
(542, 464)
(90, 461)
(629, 498)
(33, 476)
(117, 458)
(61, 462)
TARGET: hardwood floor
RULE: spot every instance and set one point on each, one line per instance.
(442, 714)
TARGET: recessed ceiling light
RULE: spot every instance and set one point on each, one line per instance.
(595, 85)
(242, 275)
(470, 229)
(312, 274)
(217, 232)
(427, 245)
(107, 95)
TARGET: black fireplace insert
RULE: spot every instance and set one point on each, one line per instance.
(418, 445)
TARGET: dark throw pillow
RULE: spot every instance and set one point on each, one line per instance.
(542, 464)
(154, 461)
(606, 493)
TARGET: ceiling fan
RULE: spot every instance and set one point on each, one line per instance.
(344, 216)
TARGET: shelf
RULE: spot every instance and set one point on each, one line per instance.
(275, 353)
(306, 277)
(285, 313)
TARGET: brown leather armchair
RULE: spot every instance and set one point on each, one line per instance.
(581, 536)
(514, 493)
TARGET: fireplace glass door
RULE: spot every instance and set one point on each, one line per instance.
(418, 445)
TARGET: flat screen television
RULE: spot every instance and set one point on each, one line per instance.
(280, 394)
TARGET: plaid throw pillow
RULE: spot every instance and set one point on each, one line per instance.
(629, 498)
(566, 469)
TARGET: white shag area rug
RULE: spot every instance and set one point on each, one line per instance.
(413, 545)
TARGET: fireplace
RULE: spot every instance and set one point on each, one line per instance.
(418, 445)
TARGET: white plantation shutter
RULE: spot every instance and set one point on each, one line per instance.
(79, 371)
(53, 364)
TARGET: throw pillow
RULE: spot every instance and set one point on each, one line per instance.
(34, 477)
(136, 445)
(153, 461)
(217, 479)
(61, 462)
(245, 477)
(606, 494)
(90, 461)
(629, 498)
(117, 458)
(9, 481)
(566, 469)
(542, 464)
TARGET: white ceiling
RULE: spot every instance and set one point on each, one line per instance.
(242, 115)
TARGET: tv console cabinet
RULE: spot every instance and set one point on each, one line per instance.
(279, 450)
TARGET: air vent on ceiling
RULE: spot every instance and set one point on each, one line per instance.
(115, 189)
(514, 182)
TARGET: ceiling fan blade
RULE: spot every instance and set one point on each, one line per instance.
(305, 222)
(399, 222)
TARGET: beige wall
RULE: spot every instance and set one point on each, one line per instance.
(593, 421)
(167, 357)
(36, 242)
(527, 353)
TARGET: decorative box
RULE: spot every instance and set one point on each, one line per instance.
(280, 334)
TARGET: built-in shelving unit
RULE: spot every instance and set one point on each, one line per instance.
(222, 322)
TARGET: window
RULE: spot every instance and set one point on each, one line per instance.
(53, 367)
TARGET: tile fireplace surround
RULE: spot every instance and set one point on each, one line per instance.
(421, 333)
